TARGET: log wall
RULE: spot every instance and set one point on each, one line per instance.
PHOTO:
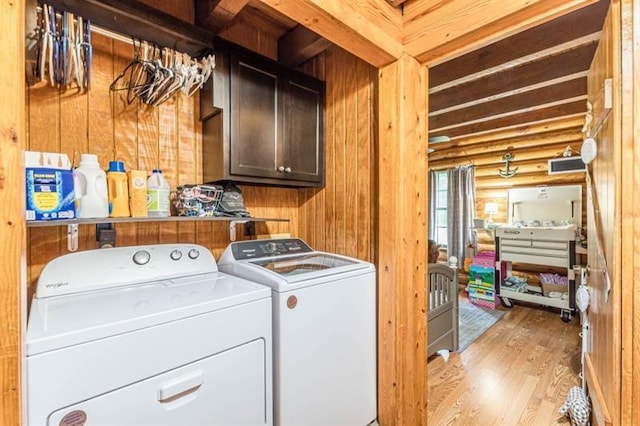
(532, 146)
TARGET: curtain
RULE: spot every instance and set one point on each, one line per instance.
(460, 210)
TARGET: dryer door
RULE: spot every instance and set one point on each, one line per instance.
(228, 388)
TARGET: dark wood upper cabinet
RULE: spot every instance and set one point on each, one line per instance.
(262, 122)
(256, 124)
(303, 155)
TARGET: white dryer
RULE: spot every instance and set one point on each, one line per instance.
(147, 335)
(324, 330)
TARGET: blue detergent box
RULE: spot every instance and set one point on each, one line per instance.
(49, 185)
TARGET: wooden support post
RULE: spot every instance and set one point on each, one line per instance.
(12, 200)
(402, 243)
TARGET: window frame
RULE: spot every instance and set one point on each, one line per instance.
(441, 175)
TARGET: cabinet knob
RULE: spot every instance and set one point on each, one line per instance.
(288, 170)
(281, 169)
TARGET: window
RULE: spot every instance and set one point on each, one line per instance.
(441, 196)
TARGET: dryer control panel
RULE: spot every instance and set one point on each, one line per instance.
(256, 249)
(119, 266)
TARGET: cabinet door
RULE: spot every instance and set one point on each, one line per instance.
(256, 124)
(303, 157)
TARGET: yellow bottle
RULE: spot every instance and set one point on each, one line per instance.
(118, 190)
(138, 192)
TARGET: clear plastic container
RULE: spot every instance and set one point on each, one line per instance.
(157, 195)
(90, 186)
(118, 190)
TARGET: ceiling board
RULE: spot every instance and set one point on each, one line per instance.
(454, 27)
(494, 116)
(540, 71)
(557, 92)
(561, 30)
(531, 77)
(519, 119)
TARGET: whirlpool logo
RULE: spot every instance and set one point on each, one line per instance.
(57, 285)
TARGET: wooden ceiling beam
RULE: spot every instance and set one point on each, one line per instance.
(565, 29)
(535, 98)
(299, 45)
(495, 115)
(539, 72)
(436, 31)
(576, 107)
(215, 14)
(515, 134)
(556, 50)
(369, 29)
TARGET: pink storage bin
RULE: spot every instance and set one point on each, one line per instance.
(486, 258)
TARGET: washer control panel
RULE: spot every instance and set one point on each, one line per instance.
(256, 249)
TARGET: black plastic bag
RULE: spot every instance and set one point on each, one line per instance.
(232, 203)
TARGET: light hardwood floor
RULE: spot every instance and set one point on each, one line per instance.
(516, 373)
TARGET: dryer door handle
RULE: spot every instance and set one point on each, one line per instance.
(180, 386)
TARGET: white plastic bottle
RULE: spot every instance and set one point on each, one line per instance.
(157, 195)
(90, 186)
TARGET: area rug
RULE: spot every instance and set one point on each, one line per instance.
(473, 322)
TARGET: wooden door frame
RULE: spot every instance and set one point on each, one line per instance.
(630, 212)
(12, 200)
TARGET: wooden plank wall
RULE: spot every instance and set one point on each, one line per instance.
(12, 200)
(604, 372)
(630, 274)
(170, 137)
(532, 147)
(340, 218)
(631, 179)
(102, 122)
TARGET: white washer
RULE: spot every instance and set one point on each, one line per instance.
(324, 330)
(147, 335)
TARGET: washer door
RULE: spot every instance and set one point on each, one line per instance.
(228, 388)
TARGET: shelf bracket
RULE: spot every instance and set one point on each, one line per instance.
(72, 237)
(232, 228)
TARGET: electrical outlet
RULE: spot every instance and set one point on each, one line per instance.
(105, 235)
(250, 229)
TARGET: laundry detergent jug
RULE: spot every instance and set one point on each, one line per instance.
(157, 195)
(118, 190)
(90, 185)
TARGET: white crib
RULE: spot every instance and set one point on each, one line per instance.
(442, 308)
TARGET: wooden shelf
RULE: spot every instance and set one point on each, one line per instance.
(72, 224)
(116, 220)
